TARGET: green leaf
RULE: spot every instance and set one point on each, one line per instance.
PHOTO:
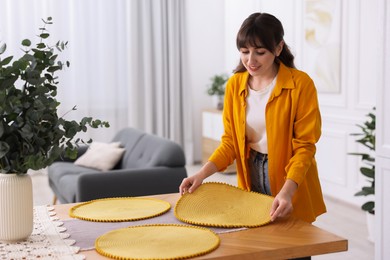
(368, 172)
(368, 206)
(6, 61)
(53, 69)
(361, 193)
(44, 35)
(39, 54)
(41, 45)
(4, 148)
(369, 190)
(28, 57)
(3, 47)
(48, 76)
(26, 42)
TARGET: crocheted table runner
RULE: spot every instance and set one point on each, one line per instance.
(47, 241)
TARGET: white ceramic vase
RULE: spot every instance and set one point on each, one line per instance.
(16, 207)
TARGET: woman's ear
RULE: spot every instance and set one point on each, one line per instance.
(279, 48)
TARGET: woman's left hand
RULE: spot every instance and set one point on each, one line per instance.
(282, 205)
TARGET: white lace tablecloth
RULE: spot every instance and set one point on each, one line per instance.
(47, 241)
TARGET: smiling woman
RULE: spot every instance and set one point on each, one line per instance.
(273, 157)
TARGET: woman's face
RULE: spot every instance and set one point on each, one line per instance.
(258, 60)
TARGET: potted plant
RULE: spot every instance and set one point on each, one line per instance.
(217, 89)
(367, 138)
(32, 135)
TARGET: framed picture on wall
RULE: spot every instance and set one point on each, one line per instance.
(322, 44)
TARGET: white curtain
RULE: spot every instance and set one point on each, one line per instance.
(125, 56)
(157, 74)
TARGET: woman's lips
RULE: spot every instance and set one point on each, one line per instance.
(253, 68)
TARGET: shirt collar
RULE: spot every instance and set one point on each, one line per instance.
(283, 81)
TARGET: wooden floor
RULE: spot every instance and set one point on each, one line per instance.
(341, 219)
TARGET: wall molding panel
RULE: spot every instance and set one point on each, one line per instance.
(382, 163)
(331, 150)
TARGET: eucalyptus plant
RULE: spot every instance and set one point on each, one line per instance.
(32, 135)
(367, 138)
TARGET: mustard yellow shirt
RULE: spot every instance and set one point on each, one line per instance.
(293, 124)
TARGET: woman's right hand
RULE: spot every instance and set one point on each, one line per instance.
(190, 184)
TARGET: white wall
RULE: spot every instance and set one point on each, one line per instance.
(205, 56)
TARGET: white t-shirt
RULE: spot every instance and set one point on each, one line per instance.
(255, 117)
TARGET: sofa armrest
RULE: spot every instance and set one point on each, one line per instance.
(129, 183)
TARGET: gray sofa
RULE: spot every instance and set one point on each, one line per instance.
(150, 165)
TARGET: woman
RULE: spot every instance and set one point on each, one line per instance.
(271, 124)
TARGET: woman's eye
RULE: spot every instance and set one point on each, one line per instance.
(260, 53)
(244, 51)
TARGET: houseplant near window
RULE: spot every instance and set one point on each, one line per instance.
(367, 138)
(217, 89)
(32, 135)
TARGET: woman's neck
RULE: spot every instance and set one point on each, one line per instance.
(262, 81)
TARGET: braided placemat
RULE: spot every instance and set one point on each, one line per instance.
(223, 205)
(119, 209)
(160, 241)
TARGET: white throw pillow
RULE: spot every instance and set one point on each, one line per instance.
(101, 156)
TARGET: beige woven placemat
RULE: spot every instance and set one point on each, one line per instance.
(224, 205)
(119, 209)
(161, 241)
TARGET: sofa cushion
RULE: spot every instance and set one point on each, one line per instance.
(128, 137)
(101, 156)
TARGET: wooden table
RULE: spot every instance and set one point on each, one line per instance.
(282, 239)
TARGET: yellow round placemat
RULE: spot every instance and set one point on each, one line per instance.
(160, 241)
(119, 209)
(224, 205)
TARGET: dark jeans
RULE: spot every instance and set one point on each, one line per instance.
(258, 167)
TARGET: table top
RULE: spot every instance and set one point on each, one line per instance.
(282, 239)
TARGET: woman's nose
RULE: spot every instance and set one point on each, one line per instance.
(251, 58)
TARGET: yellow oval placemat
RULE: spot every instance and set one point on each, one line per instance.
(224, 205)
(160, 241)
(119, 209)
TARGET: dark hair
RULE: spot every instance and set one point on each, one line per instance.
(265, 29)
